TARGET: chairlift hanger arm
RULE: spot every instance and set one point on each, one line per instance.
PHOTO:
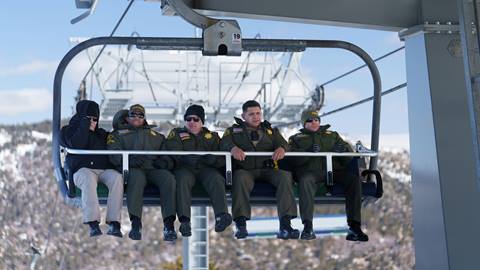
(220, 37)
(85, 4)
(191, 16)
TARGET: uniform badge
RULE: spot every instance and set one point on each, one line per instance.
(110, 139)
(208, 136)
(171, 134)
(269, 131)
(237, 130)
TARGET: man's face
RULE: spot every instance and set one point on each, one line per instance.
(193, 123)
(312, 124)
(93, 122)
(136, 119)
(253, 116)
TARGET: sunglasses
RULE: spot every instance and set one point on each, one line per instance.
(195, 119)
(92, 118)
(137, 115)
(312, 119)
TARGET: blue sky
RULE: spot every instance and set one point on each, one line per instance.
(35, 37)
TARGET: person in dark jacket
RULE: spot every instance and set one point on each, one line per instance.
(205, 169)
(255, 135)
(82, 133)
(136, 134)
(311, 171)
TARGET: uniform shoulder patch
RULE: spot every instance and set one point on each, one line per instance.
(208, 135)
(153, 132)
(227, 132)
(269, 131)
(171, 134)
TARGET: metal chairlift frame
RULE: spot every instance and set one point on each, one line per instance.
(259, 45)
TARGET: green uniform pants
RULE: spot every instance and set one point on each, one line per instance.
(212, 181)
(138, 179)
(244, 181)
(308, 185)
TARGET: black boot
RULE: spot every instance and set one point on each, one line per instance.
(135, 233)
(308, 233)
(185, 227)
(222, 221)
(286, 230)
(169, 233)
(94, 228)
(241, 224)
(114, 229)
(355, 232)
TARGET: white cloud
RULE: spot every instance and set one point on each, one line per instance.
(392, 141)
(342, 95)
(29, 68)
(29, 100)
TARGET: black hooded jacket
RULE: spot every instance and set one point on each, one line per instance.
(77, 135)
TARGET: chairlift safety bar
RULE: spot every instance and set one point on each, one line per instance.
(228, 157)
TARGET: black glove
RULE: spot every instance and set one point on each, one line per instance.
(190, 160)
(163, 163)
(315, 148)
(269, 163)
(209, 159)
(339, 148)
(137, 161)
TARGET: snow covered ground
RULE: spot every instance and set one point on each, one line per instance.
(4, 137)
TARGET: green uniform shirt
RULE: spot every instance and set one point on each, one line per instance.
(238, 135)
(132, 138)
(304, 141)
(180, 139)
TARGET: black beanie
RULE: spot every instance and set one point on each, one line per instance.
(88, 108)
(195, 110)
(93, 110)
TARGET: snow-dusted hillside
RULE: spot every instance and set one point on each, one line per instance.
(33, 215)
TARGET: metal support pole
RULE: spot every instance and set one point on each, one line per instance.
(442, 155)
(198, 242)
(469, 27)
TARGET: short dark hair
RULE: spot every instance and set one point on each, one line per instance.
(249, 104)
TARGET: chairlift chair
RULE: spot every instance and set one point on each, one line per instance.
(223, 37)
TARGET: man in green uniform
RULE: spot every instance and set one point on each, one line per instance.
(310, 172)
(205, 169)
(253, 135)
(136, 134)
